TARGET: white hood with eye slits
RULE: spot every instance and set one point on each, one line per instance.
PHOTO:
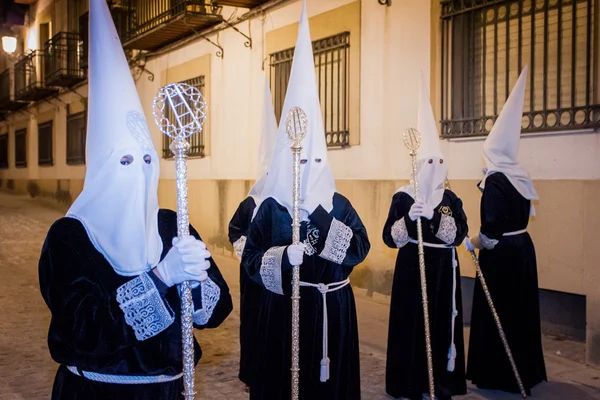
(119, 202)
(317, 181)
(431, 168)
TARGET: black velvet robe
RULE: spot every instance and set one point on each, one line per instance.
(249, 290)
(272, 229)
(510, 272)
(406, 367)
(88, 329)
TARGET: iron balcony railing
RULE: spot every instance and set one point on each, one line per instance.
(63, 60)
(7, 92)
(30, 77)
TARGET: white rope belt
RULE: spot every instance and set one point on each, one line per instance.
(515, 233)
(452, 349)
(324, 289)
(124, 379)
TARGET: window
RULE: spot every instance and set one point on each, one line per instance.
(21, 148)
(45, 144)
(196, 141)
(4, 151)
(76, 133)
(331, 56)
(485, 45)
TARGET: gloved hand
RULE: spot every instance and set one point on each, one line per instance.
(295, 253)
(426, 211)
(416, 211)
(185, 261)
(468, 244)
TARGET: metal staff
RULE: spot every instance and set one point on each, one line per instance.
(296, 126)
(180, 111)
(412, 141)
(488, 296)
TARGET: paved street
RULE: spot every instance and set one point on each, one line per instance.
(27, 371)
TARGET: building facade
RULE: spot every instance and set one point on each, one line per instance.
(368, 60)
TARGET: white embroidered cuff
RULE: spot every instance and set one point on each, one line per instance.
(486, 242)
(144, 309)
(337, 242)
(447, 230)
(238, 247)
(400, 233)
(211, 293)
(270, 269)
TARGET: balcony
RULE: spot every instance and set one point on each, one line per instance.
(152, 24)
(63, 60)
(30, 82)
(242, 3)
(7, 93)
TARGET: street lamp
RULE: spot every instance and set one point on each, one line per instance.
(9, 44)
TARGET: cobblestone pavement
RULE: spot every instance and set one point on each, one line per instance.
(27, 371)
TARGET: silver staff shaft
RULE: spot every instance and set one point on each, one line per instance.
(180, 148)
(296, 149)
(498, 324)
(428, 350)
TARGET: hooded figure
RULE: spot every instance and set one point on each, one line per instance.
(444, 227)
(334, 241)
(108, 270)
(507, 260)
(238, 230)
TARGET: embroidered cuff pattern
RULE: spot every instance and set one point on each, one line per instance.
(238, 247)
(270, 269)
(447, 230)
(486, 242)
(400, 233)
(337, 242)
(144, 309)
(211, 293)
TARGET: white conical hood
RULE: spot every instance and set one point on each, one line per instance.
(501, 147)
(316, 179)
(119, 202)
(267, 141)
(431, 167)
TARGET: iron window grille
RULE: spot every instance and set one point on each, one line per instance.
(4, 151)
(21, 148)
(485, 45)
(196, 141)
(45, 144)
(332, 69)
(76, 135)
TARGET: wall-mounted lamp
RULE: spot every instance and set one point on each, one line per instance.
(9, 44)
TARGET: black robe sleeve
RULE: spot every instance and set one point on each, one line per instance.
(342, 241)
(86, 309)
(264, 261)
(395, 231)
(495, 213)
(239, 224)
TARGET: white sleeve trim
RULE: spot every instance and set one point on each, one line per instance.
(211, 293)
(447, 230)
(486, 242)
(400, 233)
(238, 247)
(337, 242)
(144, 309)
(270, 269)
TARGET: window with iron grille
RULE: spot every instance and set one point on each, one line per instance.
(45, 144)
(4, 151)
(332, 65)
(196, 141)
(486, 44)
(21, 148)
(76, 133)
